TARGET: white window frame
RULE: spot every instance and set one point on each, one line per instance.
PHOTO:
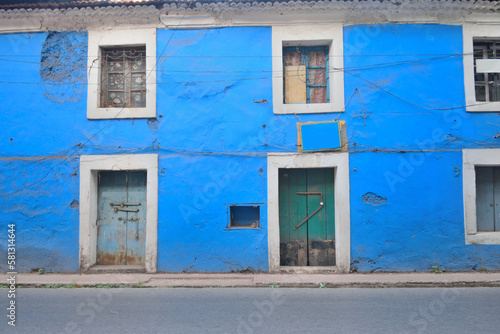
(471, 31)
(120, 38)
(90, 166)
(330, 35)
(339, 161)
(470, 159)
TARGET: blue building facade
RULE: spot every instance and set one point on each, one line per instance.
(406, 126)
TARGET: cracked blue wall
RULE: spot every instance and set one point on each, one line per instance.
(47, 121)
(213, 129)
(409, 148)
(206, 93)
(201, 119)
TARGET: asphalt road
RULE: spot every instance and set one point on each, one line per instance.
(254, 310)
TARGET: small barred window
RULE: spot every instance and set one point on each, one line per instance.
(123, 77)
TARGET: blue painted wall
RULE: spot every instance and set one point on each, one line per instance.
(210, 135)
(213, 129)
(406, 181)
(208, 109)
(46, 121)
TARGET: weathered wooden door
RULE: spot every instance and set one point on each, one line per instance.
(307, 217)
(121, 218)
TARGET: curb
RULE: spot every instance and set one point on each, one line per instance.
(254, 280)
(308, 285)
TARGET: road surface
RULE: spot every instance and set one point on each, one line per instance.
(254, 310)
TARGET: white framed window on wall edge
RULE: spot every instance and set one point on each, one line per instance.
(121, 73)
(310, 41)
(481, 181)
(481, 48)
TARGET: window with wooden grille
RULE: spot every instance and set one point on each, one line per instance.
(487, 84)
(123, 77)
(306, 75)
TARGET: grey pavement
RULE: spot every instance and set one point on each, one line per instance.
(445, 279)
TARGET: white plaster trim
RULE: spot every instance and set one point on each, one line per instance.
(470, 159)
(128, 17)
(193, 19)
(120, 37)
(330, 35)
(471, 31)
(90, 165)
(339, 161)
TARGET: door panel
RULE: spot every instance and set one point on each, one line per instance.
(299, 207)
(121, 228)
(496, 195)
(316, 226)
(313, 243)
(485, 199)
(330, 206)
(136, 222)
(293, 245)
(488, 199)
(111, 228)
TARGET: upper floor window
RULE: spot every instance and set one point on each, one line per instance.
(305, 59)
(122, 76)
(487, 81)
(481, 49)
(306, 74)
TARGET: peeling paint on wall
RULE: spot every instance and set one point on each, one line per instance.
(421, 225)
(374, 199)
(63, 66)
(153, 123)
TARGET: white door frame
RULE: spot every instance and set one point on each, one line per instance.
(90, 165)
(338, 161)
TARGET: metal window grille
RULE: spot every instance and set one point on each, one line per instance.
(487, 84)
(306, 78)
(123, 77)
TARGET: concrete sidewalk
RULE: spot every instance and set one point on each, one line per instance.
(164, 280)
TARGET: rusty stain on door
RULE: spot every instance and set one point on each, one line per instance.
(121, 218)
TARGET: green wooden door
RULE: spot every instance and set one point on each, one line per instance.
(301, 192)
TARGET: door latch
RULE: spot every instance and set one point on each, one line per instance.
(119, 206)
(125, 209)
(321, 204)
(124, 204)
